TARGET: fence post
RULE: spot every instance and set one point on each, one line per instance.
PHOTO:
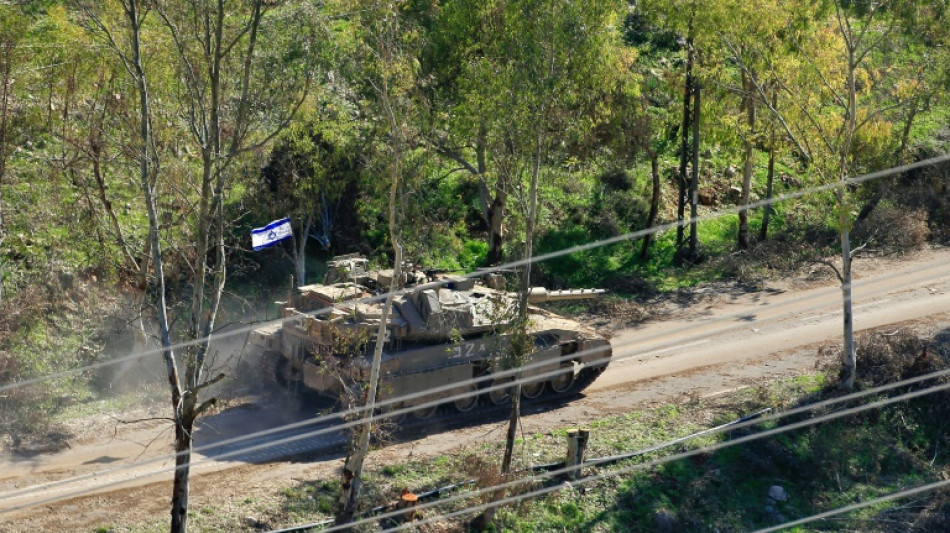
(576, 447)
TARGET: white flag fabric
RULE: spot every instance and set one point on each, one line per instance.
(271, 234)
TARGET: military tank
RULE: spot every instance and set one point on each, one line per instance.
(443, 332)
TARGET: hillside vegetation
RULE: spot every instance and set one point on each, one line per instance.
(140, 142)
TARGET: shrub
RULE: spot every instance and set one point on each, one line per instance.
(25, 413)
(894, 228)
(888, 357)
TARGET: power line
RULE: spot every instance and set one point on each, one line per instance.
(393, 401)
(408, 409)
(641, 466)
(860, 505)
(640, 340)
(507, 266)
(777, 416)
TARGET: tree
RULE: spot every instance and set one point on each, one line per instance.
(11, 33)
(305, 178)
(839, 108)
(532, 97)
(230, 63)
(470, 60)
(389, 76)
(751, 42)
(773, 140)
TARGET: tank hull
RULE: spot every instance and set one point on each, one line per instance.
(416, 375)
(442, 346)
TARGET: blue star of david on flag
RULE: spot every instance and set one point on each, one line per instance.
(271, 234)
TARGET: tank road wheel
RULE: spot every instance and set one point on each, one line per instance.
(385, 415)
(425, 412)
(500, 395)
(469, 401)
(532, 389)
(563, 381)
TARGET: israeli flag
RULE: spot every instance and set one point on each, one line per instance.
(271, 234)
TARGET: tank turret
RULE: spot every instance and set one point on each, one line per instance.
(442, 330)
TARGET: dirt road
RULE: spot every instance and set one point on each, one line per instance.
(731, 340)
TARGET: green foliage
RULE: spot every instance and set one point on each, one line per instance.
(823, 467)
(309, 499)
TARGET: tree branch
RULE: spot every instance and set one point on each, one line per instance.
(763, 98)
(824, 80)
(445, 151)
(210, 382)
(832, 266)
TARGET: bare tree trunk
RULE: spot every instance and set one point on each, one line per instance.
(496, 217)
(181, 482)
(300, 251)
(844, 215)
(682, 179)
(493, 203)
(769, 183)
(694, 182)
(770, 179)
(654, 205)
(748, 102)
(850, 354)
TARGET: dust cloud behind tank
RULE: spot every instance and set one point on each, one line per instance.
(444, 331)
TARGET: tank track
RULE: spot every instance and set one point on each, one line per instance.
(268, 365)
(585, 378)
(448, 417)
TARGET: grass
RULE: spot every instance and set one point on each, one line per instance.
(822, 467)
(94, 403)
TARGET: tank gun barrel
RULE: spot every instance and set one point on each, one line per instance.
(541, 294)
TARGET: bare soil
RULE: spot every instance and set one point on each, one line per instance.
(709, 344)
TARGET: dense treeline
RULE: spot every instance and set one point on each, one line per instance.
(583, 94)
(140, 141)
